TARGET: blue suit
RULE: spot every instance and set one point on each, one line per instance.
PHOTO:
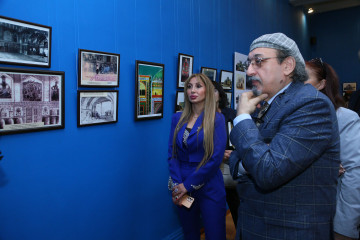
(292, 163)
(206, 184)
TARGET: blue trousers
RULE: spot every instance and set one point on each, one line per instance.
(210, 212)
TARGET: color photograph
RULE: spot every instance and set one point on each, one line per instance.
(149, 90)
(185, 68)
(98, 69)
(180, 101)
(209, 72)
(226, 79)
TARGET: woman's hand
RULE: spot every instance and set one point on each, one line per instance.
(177, 193)
(227, 155)
(341, 170)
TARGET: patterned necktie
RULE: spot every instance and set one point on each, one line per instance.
(261, 114)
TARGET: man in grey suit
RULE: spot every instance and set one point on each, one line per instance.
(286, 156)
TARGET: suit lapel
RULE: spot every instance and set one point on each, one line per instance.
(197, 124)
(279, 102)
(193, 130)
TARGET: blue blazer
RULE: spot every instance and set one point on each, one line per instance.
(183, 165)
(292, 161)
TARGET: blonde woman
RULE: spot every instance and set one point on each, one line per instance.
(196, 148)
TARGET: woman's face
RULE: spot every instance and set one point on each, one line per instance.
(217, 97)
(312, 77)
(196, 91)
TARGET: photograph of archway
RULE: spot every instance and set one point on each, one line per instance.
(149, 90)
(97, 107)
(24, 43)
(31, 100)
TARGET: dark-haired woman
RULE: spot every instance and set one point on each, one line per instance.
(232, 198)
(347, 217)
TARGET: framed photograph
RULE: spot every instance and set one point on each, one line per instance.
(149, 90)
(98, 69)
(229, 96)
(180, 101)
(226, 79)
(97, 107)
(24, 43)
(31, 100)
(349, 86)
(185, 69)
(209, 72)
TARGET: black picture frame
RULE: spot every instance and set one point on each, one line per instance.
(179, 101)
(31, 100)
(229, 98)
(149, 90)
(185, 68)
(209, 72)
(98, 69)
(96, 107)
(226, 79)
(25, 43)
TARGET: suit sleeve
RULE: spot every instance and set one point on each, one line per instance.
(347, 217)
(302, 135)
(204, 173)
(173, 162)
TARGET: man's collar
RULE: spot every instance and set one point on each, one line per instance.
(281, 91)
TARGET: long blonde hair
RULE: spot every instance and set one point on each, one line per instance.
(208, 118)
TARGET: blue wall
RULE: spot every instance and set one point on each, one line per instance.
(110, 181)
(338, 41)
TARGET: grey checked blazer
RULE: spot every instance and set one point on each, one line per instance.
(292, 161)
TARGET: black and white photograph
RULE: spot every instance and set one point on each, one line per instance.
(97, 107)
(31, 100)
(226, 79)
(185, 68)
(209, 72)
(24, 43)
(98, 69)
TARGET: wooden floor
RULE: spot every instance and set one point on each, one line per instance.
(230, 228)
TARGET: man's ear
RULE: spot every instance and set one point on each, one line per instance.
(289, 64)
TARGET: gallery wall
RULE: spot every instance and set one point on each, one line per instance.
(337, 35)
(110, 181)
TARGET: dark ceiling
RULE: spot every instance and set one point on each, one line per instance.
(320, 6)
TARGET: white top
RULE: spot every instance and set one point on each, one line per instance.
(347, 216)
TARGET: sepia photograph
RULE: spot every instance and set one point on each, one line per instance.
(349, 86)
(31, 100)
(98, 69)
(185, 69)
(97, 107)
(24, 43)
(209, 72)
(149, 90)
(226, 79)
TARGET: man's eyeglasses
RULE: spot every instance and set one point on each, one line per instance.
(319, 62)
(255, 62)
